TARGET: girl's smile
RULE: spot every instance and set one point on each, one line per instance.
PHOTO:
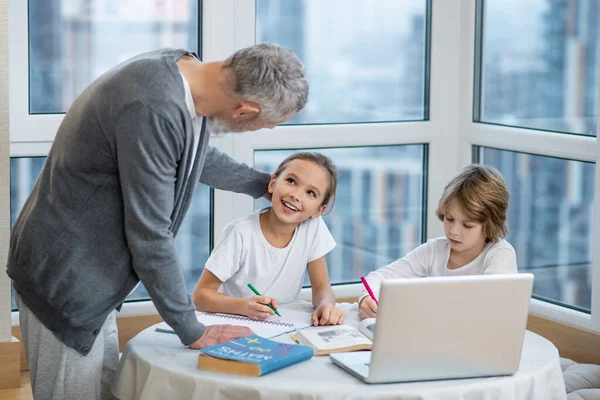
(298, 192)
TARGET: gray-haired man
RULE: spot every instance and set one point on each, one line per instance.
(113, 192)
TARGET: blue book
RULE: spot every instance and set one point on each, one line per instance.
(252, 355)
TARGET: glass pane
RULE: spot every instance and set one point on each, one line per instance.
(379, 212)
(365, 63)
(550, 222)
(540, 65)
(72, 42)
(193, 238)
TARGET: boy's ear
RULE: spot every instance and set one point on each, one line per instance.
(319, 211)
(246, 110)
(271, 186)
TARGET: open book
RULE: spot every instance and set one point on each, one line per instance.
(290, 321)
(338, 338)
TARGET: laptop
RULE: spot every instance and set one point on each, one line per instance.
(445, 328)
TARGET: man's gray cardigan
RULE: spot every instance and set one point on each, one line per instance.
(111, 196)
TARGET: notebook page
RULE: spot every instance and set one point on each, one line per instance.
(266, 328)
(289, 321)
(296, 318)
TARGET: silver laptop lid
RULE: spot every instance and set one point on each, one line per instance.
(450, 327)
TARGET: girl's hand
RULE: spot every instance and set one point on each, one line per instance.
(367, 308)
(327, 314)
(256, 307)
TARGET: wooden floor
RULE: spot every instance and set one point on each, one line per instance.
(23, 393)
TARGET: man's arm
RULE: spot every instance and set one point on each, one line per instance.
(147, 152)
(223, 172)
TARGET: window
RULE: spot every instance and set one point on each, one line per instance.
(550, 222)
(539, 66)
(378, 215)
(69, 43)
(365, 63)
(535, 105)
(72, 42)
(192, 241)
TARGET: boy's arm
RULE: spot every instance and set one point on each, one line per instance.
(323, 298)
(413, 265)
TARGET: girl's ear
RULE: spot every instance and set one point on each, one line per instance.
(271, 186)
(319, 211)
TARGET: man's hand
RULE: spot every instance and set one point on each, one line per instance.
(256, 307)
(327, 314)
(268, 195)
(216, 334)
(367, 308)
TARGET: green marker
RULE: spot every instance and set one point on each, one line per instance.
(258, 294)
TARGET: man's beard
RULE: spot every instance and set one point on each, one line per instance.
(218, 127)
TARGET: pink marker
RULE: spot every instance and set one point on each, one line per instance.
(364, 281)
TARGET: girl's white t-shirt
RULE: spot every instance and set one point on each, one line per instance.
(243, 255)
(431, 259)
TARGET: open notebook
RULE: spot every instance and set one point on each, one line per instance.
(290, 320)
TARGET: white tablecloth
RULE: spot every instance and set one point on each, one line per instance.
(156, 366)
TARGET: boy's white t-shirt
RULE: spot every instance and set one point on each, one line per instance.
(431, 259)
(243, 255)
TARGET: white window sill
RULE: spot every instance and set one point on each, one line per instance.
(148, 308)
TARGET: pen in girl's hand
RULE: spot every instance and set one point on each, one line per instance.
(256, 292)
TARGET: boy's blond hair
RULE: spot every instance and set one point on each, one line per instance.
(482, 195)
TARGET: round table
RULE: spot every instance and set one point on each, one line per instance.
(156, 365)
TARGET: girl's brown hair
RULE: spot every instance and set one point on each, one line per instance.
(320, 160)
(482, 195)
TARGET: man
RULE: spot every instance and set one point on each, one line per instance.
(112, 194)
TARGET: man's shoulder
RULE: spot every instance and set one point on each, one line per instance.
(155, 58)
(151, 78)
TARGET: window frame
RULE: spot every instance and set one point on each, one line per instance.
(536, 142)
(24, 127)
(439, 131)
(31, 135)
(450, 131)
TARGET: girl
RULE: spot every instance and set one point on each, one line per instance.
(272, 248)
(473, 209)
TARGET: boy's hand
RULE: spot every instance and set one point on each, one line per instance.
(327, 314)
(367, 308)
(216, 334)
(256, 307)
